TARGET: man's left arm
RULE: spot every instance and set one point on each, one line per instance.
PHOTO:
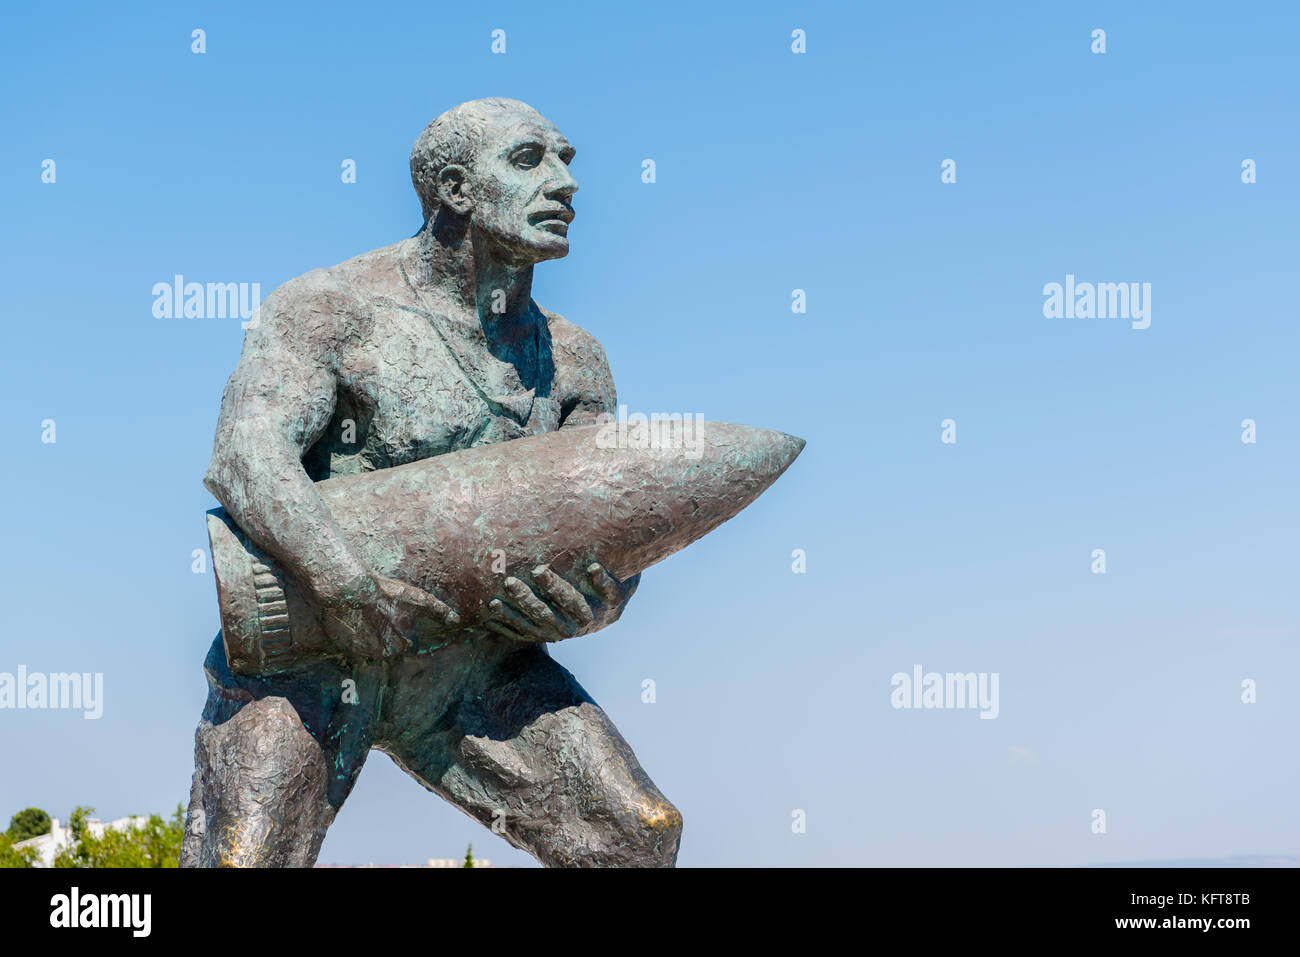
(590, 391)
(548, 607)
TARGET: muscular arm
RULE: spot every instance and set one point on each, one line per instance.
(550, 608)
(589, 386)
(276, 405)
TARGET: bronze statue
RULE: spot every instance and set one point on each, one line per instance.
(387, 582)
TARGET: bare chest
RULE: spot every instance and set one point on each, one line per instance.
(410, 391)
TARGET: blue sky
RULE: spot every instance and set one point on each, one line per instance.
(775, 172)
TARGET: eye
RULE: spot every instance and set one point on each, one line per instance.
(526, 157)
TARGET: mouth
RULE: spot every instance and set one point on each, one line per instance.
(555, 220)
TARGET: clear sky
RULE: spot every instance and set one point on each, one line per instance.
(775, 171)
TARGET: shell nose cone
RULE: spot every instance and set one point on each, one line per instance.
(761, 453)
(783, 447)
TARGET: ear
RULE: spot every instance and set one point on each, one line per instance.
(453, 190)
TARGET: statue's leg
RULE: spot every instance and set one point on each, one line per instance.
(520, 747)
(274, 761)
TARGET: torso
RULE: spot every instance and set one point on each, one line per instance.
(411, 386)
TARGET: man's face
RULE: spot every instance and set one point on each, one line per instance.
(523, 189)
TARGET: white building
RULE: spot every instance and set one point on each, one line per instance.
(60, 837)
(454, 862)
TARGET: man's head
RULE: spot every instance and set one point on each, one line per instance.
(503, 168)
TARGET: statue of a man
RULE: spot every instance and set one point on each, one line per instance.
(427, 346)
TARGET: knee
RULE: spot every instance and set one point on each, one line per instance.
(259, 793)
(645, 833)
(641, 829)
(657, 834)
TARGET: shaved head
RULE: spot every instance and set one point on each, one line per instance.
(455, 137)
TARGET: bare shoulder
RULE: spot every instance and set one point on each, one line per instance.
(323, 308)
(582, 370)
(574, 342)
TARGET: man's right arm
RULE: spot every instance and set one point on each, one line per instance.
(278, 402)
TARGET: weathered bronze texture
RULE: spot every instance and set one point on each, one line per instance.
(421, 485)
(457, 523)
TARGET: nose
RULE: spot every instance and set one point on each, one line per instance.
(561, 185)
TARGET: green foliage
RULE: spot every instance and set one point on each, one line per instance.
(33, 822)
(156, 843)
(11, 856)
(469, 856)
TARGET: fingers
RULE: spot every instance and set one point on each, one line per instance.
(557, 609)
(605, 584)
(533, 607)
(506, 619)
(526, 615)
(499, 613)
(421, 599)
(532, 621)
(500, 629)
(569, 599)
(437, 607)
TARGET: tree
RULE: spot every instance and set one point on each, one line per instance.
(11, 856)
(469, 856)
(155, 843)
(30, 823)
